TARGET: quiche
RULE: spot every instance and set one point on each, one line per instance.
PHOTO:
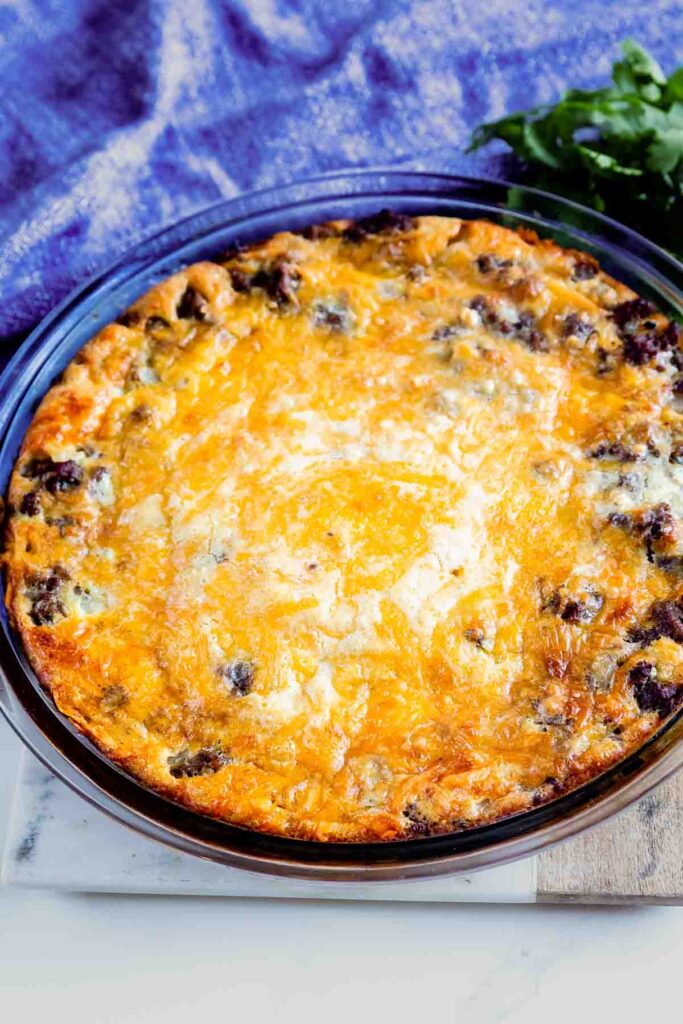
(364, 533)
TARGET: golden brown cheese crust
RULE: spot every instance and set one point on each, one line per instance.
(364, 534)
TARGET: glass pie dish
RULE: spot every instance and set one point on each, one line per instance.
(74, 758)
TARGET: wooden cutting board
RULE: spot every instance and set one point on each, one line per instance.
(636, 857)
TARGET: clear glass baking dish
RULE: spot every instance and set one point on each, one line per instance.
(30, 711)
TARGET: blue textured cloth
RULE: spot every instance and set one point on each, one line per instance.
(119, 116)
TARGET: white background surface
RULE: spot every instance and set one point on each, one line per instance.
(121, 959)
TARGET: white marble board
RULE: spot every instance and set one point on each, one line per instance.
(56, 840)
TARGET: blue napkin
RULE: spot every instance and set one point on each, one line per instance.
(119, 116)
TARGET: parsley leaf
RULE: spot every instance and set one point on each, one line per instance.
(618, 149)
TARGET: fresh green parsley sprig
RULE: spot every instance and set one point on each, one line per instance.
(618, 149)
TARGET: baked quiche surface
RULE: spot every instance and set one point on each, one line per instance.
(364, 533)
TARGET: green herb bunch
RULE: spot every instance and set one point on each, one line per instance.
(618, 149)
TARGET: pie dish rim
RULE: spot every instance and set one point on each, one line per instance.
(49, 734)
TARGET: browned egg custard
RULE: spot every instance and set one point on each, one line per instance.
(368, 532)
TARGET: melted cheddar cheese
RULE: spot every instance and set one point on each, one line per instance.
(364, 533)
